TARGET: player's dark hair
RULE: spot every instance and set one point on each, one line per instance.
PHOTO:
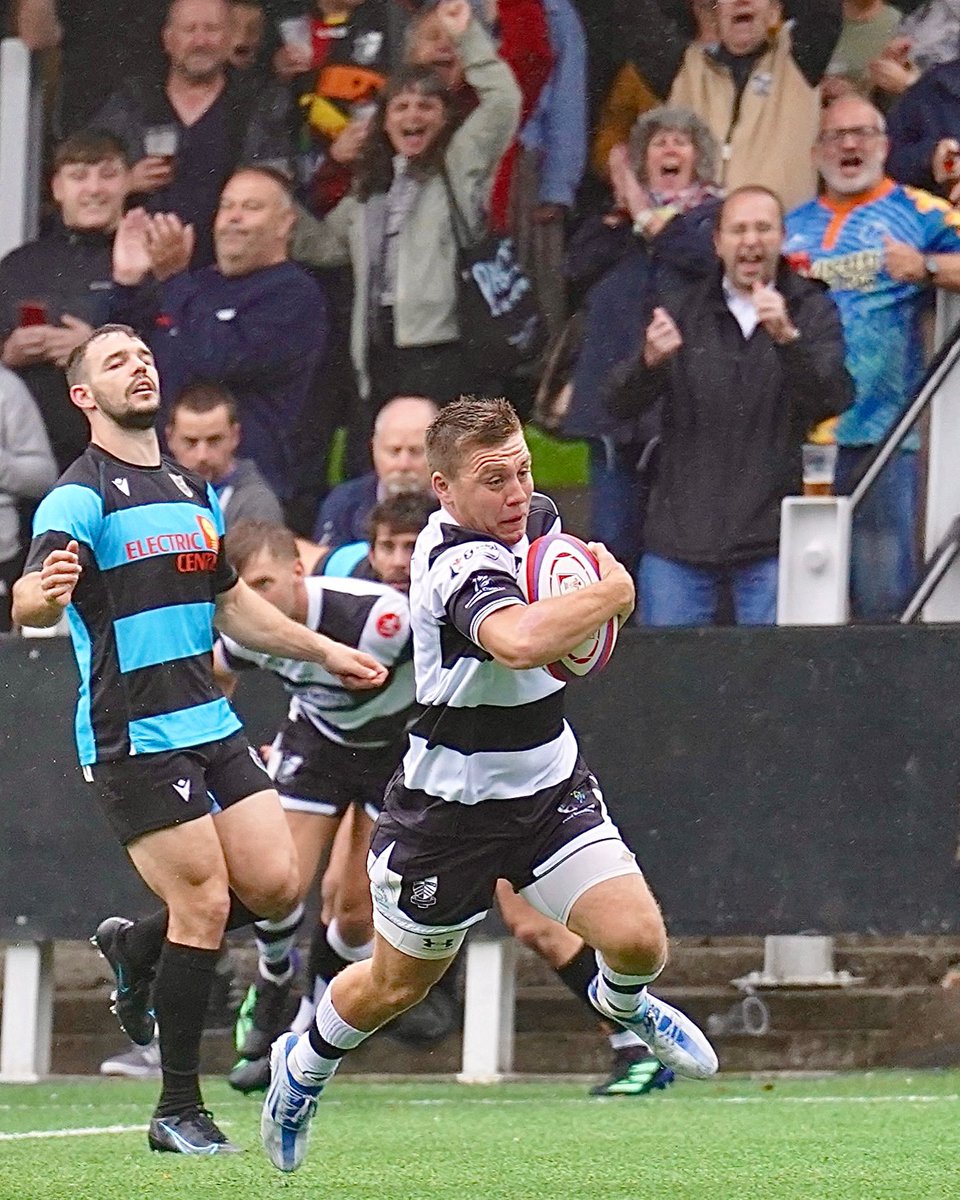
(76, 363)
(89, 146)
(407, 512)
(751, 189)
(247, 538)
(204, 398)
(466, 423)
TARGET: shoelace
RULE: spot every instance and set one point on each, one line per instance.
(203, 1119)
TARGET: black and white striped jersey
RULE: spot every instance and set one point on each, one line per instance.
(367, 616)
(483, 731)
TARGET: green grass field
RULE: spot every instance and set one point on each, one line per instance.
(889, 1134)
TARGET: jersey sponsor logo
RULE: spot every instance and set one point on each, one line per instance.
(482, 586)
(182, 788)
(195, 551)
(389, 624)
(194, 562)
(423, 893)
(181, 483)
(121, 485)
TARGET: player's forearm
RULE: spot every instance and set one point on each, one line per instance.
(258, 625)
(31, 607)
(533, 635)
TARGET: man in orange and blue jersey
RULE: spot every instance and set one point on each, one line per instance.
(881, 248)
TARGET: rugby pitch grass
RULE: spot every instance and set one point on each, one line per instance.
(869, 1137)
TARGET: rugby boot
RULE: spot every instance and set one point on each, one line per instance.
(131, 997)
(288, 1109)
(634, 1073)
(190, 1132)
(274, 1007)
(677, 1041)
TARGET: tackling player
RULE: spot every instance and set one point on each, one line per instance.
(492, 783)
(130, 545)
(336, 749)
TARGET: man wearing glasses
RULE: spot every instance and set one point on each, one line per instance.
(881, 248)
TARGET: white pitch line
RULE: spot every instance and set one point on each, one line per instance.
(90, 1131)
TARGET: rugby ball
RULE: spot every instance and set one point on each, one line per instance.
(556, 564)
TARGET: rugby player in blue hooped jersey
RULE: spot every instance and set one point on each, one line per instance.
(130, 545)
(492, 783)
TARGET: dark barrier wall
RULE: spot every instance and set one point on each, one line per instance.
(771, 781)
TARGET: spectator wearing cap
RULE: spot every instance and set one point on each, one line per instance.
(54, 291)
(254, 322)
(185, 131)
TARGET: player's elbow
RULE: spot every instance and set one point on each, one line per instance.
(520, 652)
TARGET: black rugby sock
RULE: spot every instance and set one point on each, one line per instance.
(324, 962)
(143, 941)
(181, 994)
(579, 973)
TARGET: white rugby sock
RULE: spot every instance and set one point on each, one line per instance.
(275, 941)
(625, 1039)
(317, 1054)
(348, 953)
(622, 997)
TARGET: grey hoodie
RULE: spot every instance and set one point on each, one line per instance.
(27, 466)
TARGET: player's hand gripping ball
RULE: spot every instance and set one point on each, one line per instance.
(557, 564)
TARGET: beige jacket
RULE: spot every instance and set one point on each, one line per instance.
(425, 307)
(771, 139)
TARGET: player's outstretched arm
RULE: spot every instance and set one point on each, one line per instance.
(532, 635)
(254, 622)
(40, 597)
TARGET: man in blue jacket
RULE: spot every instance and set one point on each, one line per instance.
(254, 322)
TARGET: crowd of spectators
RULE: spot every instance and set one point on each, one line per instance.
(733, 214)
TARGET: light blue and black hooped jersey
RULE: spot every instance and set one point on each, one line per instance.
(141, 617)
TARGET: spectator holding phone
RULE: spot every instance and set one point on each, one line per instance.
(56, 290)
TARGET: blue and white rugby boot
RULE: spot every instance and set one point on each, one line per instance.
(676, 1040)
(287, 1109)
(190, 1132)
(131, 997)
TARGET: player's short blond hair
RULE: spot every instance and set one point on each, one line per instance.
(464, 425)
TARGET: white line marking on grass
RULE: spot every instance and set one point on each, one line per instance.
(830, 1099)
(90, 1131)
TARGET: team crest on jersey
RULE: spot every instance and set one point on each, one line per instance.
(424, 892)
(182, 484)
(388, 624)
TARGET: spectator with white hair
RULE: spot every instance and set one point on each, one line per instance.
(399, 465)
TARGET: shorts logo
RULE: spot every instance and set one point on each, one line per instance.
(290, 764)
(577, 802)
(182, 788)
(424, 892)
(388, 624)
(431, 943)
